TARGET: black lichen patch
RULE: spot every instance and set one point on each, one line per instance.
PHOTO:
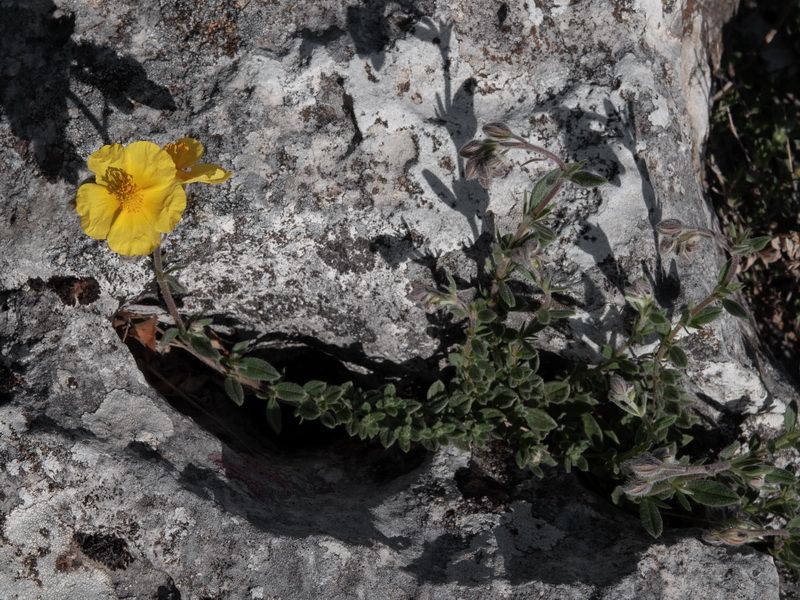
(108, 550)
(68, 561)
(347, 253)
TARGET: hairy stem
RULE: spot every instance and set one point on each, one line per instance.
(165, 291)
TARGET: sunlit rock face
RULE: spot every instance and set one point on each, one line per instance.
(342, 123)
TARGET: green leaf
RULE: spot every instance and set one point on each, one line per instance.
(489, 414)
(790, 416)
(592, 429)
(735, 309)
(780, 476)
(388, 437)
(543, 187)
(587, 180)
(239, 348)
(202, 345)
(486, 315)
(794, 523)
(334, 393)
(705, 316)
(752, 245)
(328, 420)
(260, 370)
(561, 314)
(314, 387)
(538, 420)
(574, 167)
(556, 391)
(651, 517)
(274, 419)
(729, 451)
(723, 272)
(710, 493)
(522, 457)
(308, 409)
(291, 392)
(678, 357)
(169, 335)
(234, 390)
(506, 294)
(176, 285)
(683, 501)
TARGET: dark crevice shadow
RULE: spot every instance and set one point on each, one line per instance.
(309, 480)
(39, 60)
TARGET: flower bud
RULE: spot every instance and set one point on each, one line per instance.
(640, 289)
(732, 536)
(670, 227)
(498, 131)
(618, 386)
(637, 488)
(645, 466)
(666, 245)
(471, 149)
(471, 168)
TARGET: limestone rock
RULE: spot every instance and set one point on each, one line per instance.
(342, 121)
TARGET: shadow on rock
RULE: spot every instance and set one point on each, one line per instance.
(39, 60)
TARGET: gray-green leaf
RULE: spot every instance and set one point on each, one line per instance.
(651, 517)
(587, 180)
(291, 392)
(710, 493)
(735, 309)
(258, 369)
(234, 390)
(202, 345)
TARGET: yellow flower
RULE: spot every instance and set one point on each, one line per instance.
(186, 152)
(135, 199)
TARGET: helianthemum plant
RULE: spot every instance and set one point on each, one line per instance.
(624, 419)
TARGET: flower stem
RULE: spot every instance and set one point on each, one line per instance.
(165, 291)
(539, 150)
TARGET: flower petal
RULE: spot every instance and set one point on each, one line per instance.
(172, 205)
(148, 164)
(204, 174)
(185, 152)
(107, 156)
(133, 233)
(97, 208)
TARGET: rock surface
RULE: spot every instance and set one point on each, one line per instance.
(342, 122)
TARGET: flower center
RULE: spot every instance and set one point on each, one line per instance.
(122, 186)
